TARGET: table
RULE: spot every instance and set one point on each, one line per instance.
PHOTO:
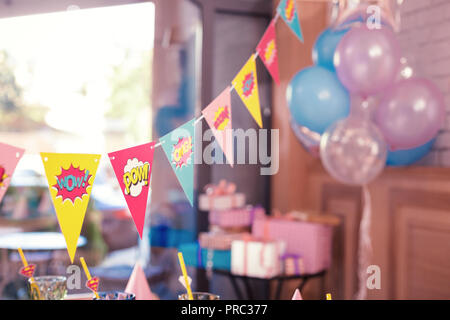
(40, 243)
(280, 279)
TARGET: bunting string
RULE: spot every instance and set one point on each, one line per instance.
(255, 55)
(71, 176)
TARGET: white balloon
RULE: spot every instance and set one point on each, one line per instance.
(353, 151)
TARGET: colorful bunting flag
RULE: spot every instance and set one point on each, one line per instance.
(178, 146)
(133, 168)
(288, 11)
(9, 157)
(218, 116)
(246, 85)
(267, 51)
(70, 178)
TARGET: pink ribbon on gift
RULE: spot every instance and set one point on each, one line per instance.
(253, 212)
(296, 260)
(262, 256)
(224, 188)
(290, 216)
(246, 239)
(269, 269)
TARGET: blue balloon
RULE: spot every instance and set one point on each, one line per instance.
(408, 156)
(325, 46)
(317, 99)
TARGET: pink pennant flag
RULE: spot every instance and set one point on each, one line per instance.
(297, 295)
(218, 116)
(138, 285)
(267, 51)
(133, 168)
(9, 157)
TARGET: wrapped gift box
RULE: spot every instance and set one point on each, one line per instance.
(221, 202)
(166, 237)
(222, 196)
(219, 240)
(243, 217)
(196, 256)
(312, 241)
(256, 258)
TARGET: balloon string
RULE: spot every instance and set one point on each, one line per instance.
(365, 245)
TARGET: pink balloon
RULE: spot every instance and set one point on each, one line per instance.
(411, 113)
(367, 61)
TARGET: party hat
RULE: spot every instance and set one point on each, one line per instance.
(138, 284)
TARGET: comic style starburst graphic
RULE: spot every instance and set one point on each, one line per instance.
(3, 176)
(248, 84)
(182, 152)
(289, 10)
(269, 52)
(221, 118)
(72, 183)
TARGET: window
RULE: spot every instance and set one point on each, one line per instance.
(76, 81)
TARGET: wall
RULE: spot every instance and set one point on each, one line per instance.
(289, 186)
(410, 205)
(424, 39)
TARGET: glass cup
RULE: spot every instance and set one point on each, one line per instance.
(199, 296)
(115, 295)
(47, 288)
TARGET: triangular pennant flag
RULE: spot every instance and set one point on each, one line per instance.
(181, 280)
(246, 85)
(93, 284)
(9, 157)
(133, 168)
(218, 116)
(28, 271)
(138, 284)
(297, 295)
(288, 11)
(267, 52)
(70, 178)
(178, 146)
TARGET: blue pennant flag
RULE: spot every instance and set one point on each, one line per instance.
(178, 146)
(288, 11)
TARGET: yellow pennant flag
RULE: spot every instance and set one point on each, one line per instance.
(246, 85)
(70, 178)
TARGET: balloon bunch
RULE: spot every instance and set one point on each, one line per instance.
(394, 120)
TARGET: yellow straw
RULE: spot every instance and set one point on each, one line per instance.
(25, 264)
(185, 275)
(22, 256)
(328, 296)
(88, 274)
